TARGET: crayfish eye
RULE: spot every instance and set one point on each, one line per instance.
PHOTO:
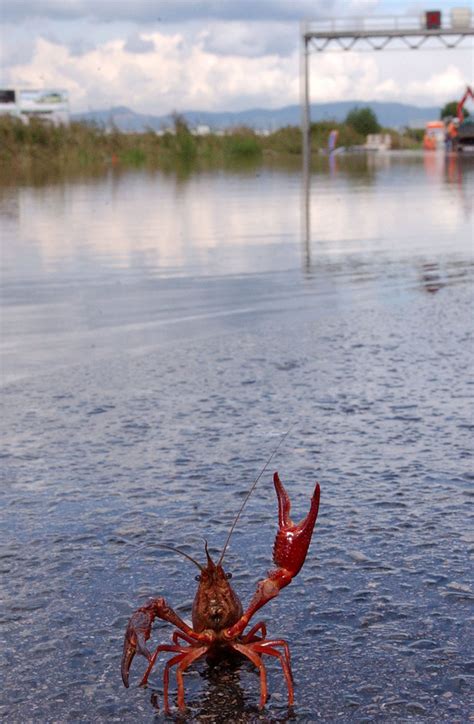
(228, 576)
(197, 578)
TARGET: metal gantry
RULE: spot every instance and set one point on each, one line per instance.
(374, 33)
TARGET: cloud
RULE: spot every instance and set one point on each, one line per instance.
(14, 11)
(77, 45)
(15, 50)
(174, 76)
(177, 74)
(219, 57)
(136, 43)
(449, 84)
(249, 40)
(174, 11)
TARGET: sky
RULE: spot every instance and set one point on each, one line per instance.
(159, 56)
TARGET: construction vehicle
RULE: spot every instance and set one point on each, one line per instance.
(464, 140)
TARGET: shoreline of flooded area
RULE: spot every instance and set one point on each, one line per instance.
(159, 338)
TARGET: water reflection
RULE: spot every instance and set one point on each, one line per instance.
(223, 694)
(431, 277)
(132, 252)
(208, 224)
(156, 224)
(398, 205)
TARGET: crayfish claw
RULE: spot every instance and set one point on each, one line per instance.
(289, 553)
(127, 657)
(292, 540)
(136, 635)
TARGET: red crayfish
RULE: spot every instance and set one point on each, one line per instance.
(218, 619)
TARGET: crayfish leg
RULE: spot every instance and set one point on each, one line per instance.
(255, 650)
(162, 647)
(183, 660)
(268, 647)
(249, 651)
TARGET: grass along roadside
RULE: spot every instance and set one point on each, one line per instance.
(81, 145)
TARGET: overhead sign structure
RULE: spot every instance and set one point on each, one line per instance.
(7, 97)
(49, 104)
(376, 33)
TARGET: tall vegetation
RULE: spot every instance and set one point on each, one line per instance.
(450, 110)
(363, 120)
(86, 146)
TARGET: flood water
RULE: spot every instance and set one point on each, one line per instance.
(160, 333)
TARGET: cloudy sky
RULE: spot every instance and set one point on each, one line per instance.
(156, 56)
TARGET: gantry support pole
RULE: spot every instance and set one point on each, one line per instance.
(304, 81)
(306, 143)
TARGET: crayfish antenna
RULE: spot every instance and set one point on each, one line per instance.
(252, 488)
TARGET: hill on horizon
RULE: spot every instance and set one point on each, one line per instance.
(390, 115)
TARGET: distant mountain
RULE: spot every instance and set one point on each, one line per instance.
(391, 115)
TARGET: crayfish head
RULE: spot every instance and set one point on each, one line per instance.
(216, 605)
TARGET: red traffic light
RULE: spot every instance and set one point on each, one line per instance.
(433, 19)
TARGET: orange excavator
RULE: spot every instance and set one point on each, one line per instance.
(456, 135)
(464, 138)
(459, 109)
